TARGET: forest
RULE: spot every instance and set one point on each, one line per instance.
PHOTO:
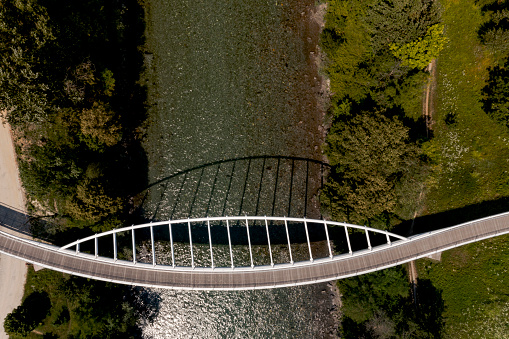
(394, 169)
(70, 88)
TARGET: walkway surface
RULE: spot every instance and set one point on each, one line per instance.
(327, 269)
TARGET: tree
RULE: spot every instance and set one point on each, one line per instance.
(496, 94)
(99, 126)
(92, 203)
(399, 21)
(494, 33)
(367, 154)
(24, 30)
(16, 322)
(364, 295)
(419, 53)
(28, 315)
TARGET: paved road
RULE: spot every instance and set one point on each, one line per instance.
(260, 277)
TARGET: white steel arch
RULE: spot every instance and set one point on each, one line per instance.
(245, 221)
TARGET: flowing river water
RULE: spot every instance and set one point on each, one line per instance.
(234, 128)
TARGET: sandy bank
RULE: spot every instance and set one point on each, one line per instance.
(12, 271)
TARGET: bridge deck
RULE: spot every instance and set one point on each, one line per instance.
(324, 270)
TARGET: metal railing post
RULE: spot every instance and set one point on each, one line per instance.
(367, 238)
(288, 238)
(190, 243)
(249, 242)
(153, 249)
(348, 240)
(96, 245)
(171, 244)
(309, 243)
(388, 238)
(328, 240)
(115, 246)
(268, 240)
(210, 244)
(134, 245)
(229, 242)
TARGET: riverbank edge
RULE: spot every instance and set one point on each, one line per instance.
(12, 271)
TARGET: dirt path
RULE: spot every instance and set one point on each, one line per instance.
(427, 112)
(12, 271)
(427, 107)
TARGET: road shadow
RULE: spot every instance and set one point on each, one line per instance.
(20, 222)
(452, 217)
(421, 224)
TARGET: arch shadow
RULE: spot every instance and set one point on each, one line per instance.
(255, 185)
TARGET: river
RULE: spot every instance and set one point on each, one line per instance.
(235, 127)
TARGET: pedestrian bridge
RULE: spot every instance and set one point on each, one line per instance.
(106, 257)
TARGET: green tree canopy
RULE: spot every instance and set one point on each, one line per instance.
(419, 53)
(99, 126)
(367, 154)
(28, 315)
(399, 21)
(496, 94)
(24, 30)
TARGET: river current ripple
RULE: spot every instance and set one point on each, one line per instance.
(234, 128)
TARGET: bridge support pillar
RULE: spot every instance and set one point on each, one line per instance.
(435, 256)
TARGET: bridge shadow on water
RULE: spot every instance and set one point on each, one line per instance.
(256, 185)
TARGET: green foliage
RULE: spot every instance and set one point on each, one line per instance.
(23, 94)
(59, 75)
(469, 166)
(473, 279)
(108, 82)
(469, 163)
(34, 308)
(363, 295)
(399, 22)
(92, 203)
(345, 42)
(368, 154)
(419, 53)
(99, 126)
(494, 32)
(366, 76)
(496, 94)
(356, 40)
(79, 81)
(80, 308)
(379, 305)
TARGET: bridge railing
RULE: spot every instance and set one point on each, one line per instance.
(247, 222)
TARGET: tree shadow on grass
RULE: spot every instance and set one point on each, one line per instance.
(431, 307)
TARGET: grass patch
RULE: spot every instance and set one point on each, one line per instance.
(474, 281)
(469, 154)
(469, 149)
